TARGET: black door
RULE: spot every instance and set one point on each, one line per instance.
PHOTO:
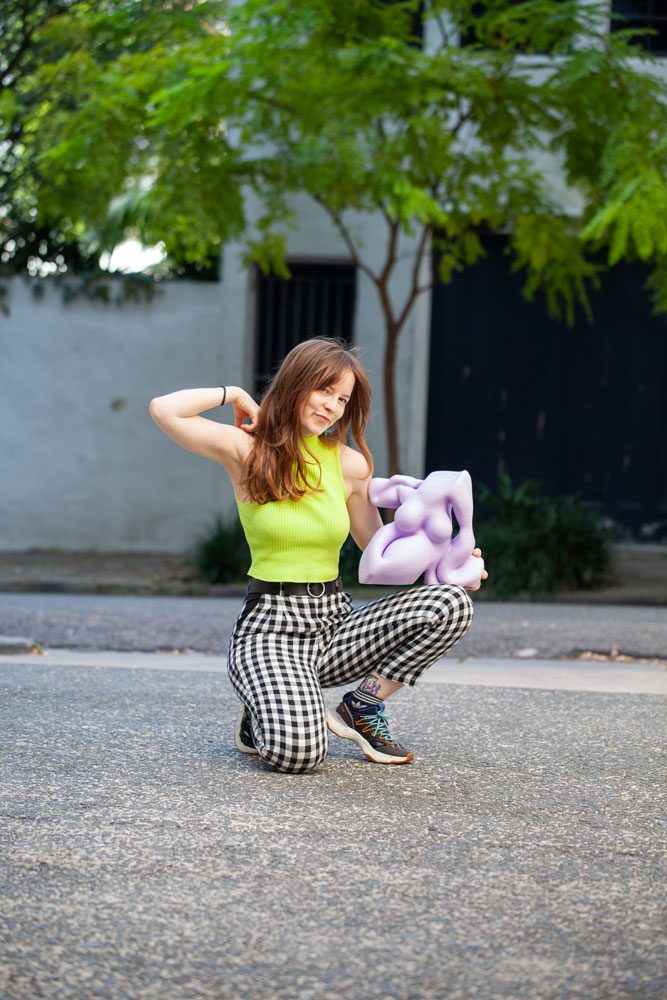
(318, 300)
(582, 409)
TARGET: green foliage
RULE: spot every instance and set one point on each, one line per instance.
(631, 221)
(554, 257)
(97, 287)
(538, 545)
(221, 554)
(24, 236)
(348, 565)
(657, 284)
(75, 98)
(179, 109)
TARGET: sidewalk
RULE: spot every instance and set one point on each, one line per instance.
(645, 677)
(639, 576)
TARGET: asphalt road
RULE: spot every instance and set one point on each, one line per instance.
(520, 856)
(89, 621)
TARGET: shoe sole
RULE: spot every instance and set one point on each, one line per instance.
(341, 728)
(240, 745)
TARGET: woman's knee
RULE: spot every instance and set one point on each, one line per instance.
(297, 752)
(449, 610)
(446, 601)
(463, 599)
(291, 765)
(459, 608)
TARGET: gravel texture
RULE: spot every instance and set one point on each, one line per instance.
(520, 856)
(146, 623)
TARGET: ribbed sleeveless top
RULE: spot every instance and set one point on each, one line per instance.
(299, 541)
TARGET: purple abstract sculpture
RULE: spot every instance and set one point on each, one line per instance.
(419, 540)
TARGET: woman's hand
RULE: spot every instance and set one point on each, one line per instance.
(478, 553)
(245, 407)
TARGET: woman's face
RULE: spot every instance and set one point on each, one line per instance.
(324, 407)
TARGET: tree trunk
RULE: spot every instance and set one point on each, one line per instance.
(393, 323)
(390, 395)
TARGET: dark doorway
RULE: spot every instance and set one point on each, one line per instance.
(582, 409)
(318, 300)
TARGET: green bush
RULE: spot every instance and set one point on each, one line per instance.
(538, 545)
(349, 563)
(222, 555)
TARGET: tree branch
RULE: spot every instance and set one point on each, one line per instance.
(391, 249)
(444, 34)
(416, 288)
(345, 233)
(271, 102)
(15, 61)
(465, 117)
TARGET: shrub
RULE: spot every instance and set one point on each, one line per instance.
(349, 563)
(222, 555)
(538, 544)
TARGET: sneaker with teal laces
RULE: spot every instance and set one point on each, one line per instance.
(367, 725)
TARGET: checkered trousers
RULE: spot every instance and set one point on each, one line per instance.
(284, 650)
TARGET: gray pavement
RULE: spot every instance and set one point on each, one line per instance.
(520, 855)
(204, 623)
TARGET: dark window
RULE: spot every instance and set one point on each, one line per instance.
(318, 300)
(583, 409)
(417, 26)
(469, 35)
(416, 22)
(641, 15)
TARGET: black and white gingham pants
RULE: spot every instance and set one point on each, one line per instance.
(284, 650)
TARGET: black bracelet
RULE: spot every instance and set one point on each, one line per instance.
(224, 394)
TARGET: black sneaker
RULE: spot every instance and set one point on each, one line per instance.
(368, 727)
(243, 733)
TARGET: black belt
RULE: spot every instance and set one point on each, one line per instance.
(295, 589)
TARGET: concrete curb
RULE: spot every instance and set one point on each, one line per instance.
(13, 644)
(545, 675)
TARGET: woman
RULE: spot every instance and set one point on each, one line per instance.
(300, 490)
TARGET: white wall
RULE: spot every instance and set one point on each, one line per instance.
(82, 465)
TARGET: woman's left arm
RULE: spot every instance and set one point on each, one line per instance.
(365, 518)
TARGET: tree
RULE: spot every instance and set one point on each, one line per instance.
(171, 112)
(22, 233)
(52, 55)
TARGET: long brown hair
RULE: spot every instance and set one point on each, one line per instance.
(277, 465)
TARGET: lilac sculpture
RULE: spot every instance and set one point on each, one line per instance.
(420, 538)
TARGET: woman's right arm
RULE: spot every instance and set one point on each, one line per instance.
(177, 414)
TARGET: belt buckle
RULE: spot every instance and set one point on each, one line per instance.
(281, 592)
(319, 583)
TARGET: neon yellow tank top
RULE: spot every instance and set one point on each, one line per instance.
(299, 541)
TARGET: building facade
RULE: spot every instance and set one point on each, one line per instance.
(484, 381)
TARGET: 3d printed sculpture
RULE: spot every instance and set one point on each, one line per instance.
(419, 540)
